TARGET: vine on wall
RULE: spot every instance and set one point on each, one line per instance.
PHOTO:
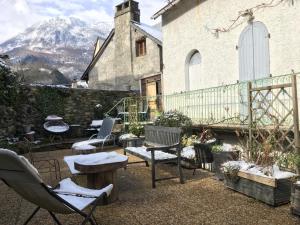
(248, 14)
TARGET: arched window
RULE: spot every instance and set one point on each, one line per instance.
(193, 68)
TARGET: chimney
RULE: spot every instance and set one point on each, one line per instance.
(131, 7)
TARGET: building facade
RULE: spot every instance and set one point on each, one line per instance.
(130, 58)
(211, 43)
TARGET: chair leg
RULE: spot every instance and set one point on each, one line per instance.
(94, 219)
(55, 218)
(153, 169)
(89, 217)
(32, 215)
(57, 169)
(180, 169)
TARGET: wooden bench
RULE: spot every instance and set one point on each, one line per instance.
(161, 145)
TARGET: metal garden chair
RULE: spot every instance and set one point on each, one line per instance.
(103, 136)
(67, 198)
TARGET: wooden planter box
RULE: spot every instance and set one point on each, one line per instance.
(271, 191)
(295, 199)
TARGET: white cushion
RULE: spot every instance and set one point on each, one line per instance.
(84, 148)
(95, 141)
(158, 155)
(188, 152)
(78, 196)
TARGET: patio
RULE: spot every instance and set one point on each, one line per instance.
(201, 200)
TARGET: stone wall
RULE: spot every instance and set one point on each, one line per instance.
(76, 106)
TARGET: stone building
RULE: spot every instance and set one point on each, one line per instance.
(131, 56)
(222, 42)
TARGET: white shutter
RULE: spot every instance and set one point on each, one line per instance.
(254, 58)
(261, 51)
(246, 54)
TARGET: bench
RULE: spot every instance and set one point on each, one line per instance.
(161, 145)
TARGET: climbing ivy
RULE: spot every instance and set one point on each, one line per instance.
(8, 85)
(50, 101)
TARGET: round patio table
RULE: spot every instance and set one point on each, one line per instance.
(102, 174)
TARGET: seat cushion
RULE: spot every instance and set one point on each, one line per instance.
(78, 196)
(188, 152)
(84, 148)
(159, 155)
(78, 145)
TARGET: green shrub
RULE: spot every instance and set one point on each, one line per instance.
(217, 148)
(136, 128)
(189, 140)
(173, 119)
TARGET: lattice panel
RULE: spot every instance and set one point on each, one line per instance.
(272, 120)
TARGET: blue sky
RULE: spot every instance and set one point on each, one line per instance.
(17, 15)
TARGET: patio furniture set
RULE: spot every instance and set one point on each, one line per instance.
(162, 145)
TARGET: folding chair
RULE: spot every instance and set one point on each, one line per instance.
(67, 198)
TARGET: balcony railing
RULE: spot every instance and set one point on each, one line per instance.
(224, 105)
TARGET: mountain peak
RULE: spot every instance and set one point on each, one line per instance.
(64, 41)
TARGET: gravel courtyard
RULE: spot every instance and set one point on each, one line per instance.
(201, 200)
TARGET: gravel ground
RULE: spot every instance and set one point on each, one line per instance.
(201, 200)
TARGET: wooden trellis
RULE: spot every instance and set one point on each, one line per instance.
(271, 118)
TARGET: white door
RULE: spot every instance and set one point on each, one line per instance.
(254, 56)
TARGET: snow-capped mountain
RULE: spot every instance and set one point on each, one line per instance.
(64, 43)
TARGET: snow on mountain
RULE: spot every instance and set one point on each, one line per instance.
(62, 42)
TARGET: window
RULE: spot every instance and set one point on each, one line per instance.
(140, 47)
(193, 70)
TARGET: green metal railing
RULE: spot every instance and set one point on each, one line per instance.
(227, 104)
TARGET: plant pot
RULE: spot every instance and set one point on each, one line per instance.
(269, 190)
(220, 158)
(295, 199)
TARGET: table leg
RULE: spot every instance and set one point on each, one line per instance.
(101, 180)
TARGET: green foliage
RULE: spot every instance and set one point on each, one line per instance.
(136, 128)
(173, 119)
(289, 160)
(296, 160)
(189, 140)
(8, 85)
(50, 101)
(217, 148)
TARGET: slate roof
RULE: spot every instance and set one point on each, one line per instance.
(150, 31)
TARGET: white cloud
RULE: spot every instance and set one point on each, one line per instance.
(16, 17)
(20, 14)
(93, 15)
(21, 6)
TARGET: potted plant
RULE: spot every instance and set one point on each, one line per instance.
(221, 154)
(136, 128)
(295, 193)
(231, 172)
(197, 151)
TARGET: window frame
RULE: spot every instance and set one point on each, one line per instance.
(141, 47)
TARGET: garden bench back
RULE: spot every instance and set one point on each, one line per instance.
(162, 146)
(162, 136)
